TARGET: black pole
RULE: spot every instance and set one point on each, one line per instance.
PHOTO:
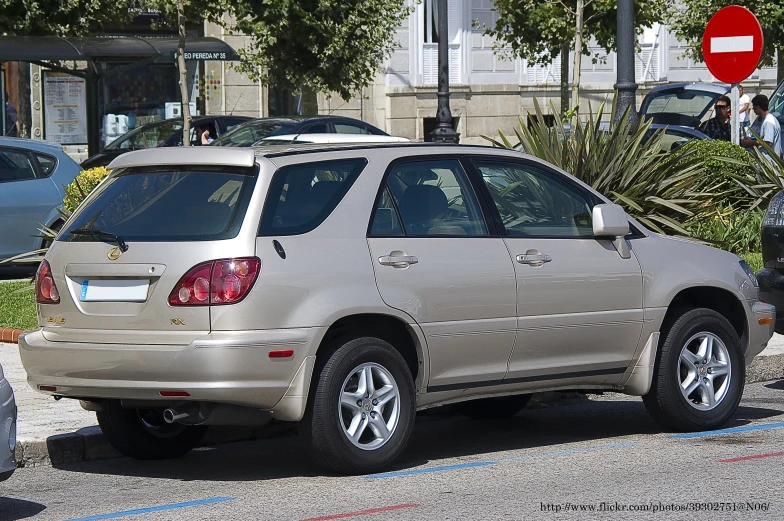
(626, 87)
(93, 112)
(443, 133)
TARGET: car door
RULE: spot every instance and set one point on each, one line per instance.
(579, 303)
(27, 196)
(435, 258)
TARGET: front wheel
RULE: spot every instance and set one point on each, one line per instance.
(699, 374)
(361, 408)
(143, 434)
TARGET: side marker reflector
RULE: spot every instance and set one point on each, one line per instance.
(765, 321)
(282, 353)
(173, 393)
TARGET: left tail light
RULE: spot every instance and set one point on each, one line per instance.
(224, 281)
(45, 288)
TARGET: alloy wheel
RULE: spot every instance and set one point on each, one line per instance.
(369, 407)
(704, 371)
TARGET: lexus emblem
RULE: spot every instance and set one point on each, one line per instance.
(114, 253)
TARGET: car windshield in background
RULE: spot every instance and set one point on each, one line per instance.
(678, 107)
(167, 206)
(247, 135)
(148, 136)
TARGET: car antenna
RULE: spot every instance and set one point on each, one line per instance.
(235, 104)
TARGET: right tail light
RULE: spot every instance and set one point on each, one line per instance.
(218, 282)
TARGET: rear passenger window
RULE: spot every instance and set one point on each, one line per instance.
(15, 165)
(301, 196)
(47, 164)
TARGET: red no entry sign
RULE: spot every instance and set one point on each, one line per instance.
(732, 44)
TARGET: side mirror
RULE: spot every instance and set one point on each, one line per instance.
(610, 220)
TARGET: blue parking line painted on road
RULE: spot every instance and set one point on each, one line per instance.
(158, 508)
(473, 464)
(762, 427)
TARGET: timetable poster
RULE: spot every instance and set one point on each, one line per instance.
(65, 108)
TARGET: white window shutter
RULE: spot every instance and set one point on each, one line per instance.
(454, 21)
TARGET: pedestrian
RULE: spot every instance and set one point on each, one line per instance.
(11, 119)
(718, 127)
(770, 129)
(744, 103)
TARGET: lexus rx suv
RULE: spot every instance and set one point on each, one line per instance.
(345, 287)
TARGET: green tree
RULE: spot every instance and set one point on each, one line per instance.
(317, 45)
(690, 19)
(62, 18)
(539, 30)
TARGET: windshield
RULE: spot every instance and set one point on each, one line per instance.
(166, 206)
(148, 136)
(777, 102)
(247, 135)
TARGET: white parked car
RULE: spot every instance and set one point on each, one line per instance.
(345, 287)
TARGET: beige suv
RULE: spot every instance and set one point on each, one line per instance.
(347, 287)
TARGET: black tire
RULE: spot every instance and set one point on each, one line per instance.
(499, 408)
(322, 427)
(142, 433)
(665, 401)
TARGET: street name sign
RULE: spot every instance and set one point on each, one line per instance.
(732, 44)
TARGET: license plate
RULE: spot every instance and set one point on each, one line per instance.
(114, 290)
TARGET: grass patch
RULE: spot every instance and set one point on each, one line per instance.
(754, 260)
(17, 310)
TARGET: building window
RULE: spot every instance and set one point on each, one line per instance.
(430, 39)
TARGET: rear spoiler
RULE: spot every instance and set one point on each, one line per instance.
(187, 156)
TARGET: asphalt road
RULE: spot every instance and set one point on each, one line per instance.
(605, 454)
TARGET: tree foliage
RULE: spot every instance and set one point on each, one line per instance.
(690, 19)
(535, 29)
(62, 17)
(324, 45)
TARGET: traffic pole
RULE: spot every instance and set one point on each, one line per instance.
(735, 119)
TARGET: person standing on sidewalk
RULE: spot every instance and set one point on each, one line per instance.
(744, 102)
(11, 119)
(770, 129)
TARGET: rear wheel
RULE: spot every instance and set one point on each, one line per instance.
(142, 433)
(699, 374)
(494, 408)
(361, 407)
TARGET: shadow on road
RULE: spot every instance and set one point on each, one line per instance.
(435, 437)
(14, 509)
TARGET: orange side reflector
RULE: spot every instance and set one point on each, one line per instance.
(765, 321)
(283, 353)
(49, 388)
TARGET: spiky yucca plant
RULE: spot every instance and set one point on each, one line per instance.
(624, 162)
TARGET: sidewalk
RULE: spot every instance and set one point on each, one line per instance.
(56, 432)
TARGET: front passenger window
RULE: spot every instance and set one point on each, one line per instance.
(535, 203)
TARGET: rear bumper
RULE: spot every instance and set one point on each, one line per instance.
(222, 367)
(7, 430)
(772, 291)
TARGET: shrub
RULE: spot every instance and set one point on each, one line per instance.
(81, 186)
(731, 229)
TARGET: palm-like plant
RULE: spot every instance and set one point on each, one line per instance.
(624, 162)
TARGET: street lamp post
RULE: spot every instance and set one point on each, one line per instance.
(626, 86)
(443, 133)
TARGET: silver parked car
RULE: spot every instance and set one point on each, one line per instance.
(7, 428)
(346, 287)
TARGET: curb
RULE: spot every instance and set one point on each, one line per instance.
(10, 335)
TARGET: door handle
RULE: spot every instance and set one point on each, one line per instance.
(398, 261)
(533, 260)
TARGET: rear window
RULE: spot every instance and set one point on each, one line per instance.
(178, 206)
(248, 135)
(301, 196)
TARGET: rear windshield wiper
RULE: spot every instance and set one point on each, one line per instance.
(101, 235)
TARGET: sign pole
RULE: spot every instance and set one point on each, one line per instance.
(735, 119)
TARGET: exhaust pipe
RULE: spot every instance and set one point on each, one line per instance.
(182, 413)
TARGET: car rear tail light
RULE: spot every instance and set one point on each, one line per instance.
(45, 288)
(224, 281)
